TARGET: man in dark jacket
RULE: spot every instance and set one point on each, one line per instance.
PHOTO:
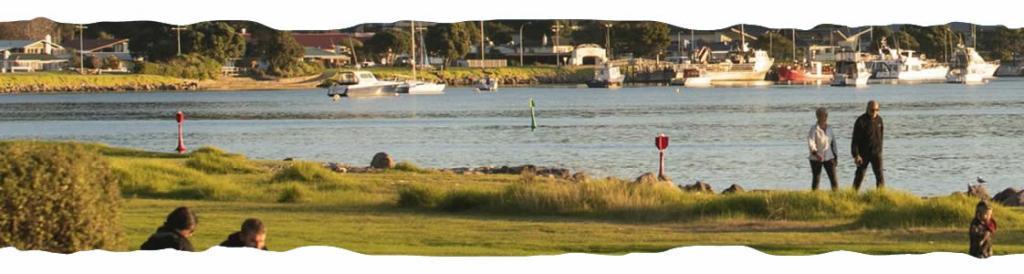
(867, 146)
(253, 234)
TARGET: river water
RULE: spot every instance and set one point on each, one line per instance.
(938, 136)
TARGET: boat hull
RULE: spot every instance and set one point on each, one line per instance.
(365, 91)
(603, 84)
(421, 88)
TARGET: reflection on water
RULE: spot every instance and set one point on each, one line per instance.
(939, 136)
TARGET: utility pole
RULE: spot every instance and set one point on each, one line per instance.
(793, 37)
(743, 39)
(679, 43)
(412, 47)
(558, 56)
(481, 42)
(693, 43)
(81, 48)
(521, 44)
(178, 30)
(608, 39)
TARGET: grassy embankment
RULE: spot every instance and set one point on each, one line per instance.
(65, 81)
(410, 210)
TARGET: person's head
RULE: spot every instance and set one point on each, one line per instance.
(253, 233)
(983, 211)
(183, 220)
(872, 109)
(822, 115)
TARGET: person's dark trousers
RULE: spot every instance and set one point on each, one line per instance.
(830, 169)
(876, 167)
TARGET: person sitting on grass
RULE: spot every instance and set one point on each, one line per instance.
(253, 234)
(982, 228)
(175, 231)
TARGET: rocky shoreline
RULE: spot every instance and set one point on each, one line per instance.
(86, 88)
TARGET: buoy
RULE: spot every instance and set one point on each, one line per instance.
(533, 115)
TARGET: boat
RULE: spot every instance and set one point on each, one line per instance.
(415, 86)
(851, 70)
(486, 84)
(608, 76)
(813, 72)
(968, 67)
(905, 65)
(361, 83)
(1013, 68)
(691, 77)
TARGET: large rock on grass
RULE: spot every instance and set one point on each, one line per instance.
(1009, 197)
(734, 188)
(698, 187)
(382, 160)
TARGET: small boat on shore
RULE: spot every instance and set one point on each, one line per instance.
(968, 67)
(813, 72)
(608, 76)
(361, 84)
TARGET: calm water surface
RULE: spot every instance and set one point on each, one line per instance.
(938, 136)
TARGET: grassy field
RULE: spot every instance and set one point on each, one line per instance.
(409, 210)
(65, 79)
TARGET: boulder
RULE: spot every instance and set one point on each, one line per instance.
(555, 172)
(1010, 197)
(734, 188)
(978, 190)
(699, 187)
(382, 160)
(580, 177)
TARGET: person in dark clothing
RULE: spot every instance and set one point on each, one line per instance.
(175, 231)
(866, 146)
(253, 234)
(982, 228)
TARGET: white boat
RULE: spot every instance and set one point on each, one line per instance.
(968, 67)
(361, 83)
(486, 84)
(905, 65)
(607, 76)
(415, 87)
(850, 70)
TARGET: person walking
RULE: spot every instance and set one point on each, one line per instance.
(175, 231)
(866, 147)
(982, 228)
(821, 143)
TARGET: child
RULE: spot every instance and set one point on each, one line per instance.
(982, 228)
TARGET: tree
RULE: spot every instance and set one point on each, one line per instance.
(780, 46)
(500, 33)
(451, 41)
(904, 40)
(643, 39)
(1001, 43)
(217, 40)
(281, 52)
(93, 62)
(386, 43)
(111, 62)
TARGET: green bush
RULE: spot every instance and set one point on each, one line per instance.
(57, 197)
(418, 196)
(466, 199)
(409, 167)
(294, 193)
(215, 161)
(307, 172)
(191, 66)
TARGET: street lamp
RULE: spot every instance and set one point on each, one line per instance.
(81, 48)
(558, 56)
(608, 39)
(521, 43)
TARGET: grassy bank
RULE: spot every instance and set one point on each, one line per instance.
(508, 75)
(63, 81)
(418, 211)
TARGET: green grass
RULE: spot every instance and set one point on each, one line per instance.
(73, 80)
(417, 211)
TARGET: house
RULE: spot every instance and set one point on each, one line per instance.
(31, 55)
(327, 58)
(329, 41)
(102, 48)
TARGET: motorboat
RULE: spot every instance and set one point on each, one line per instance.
(486, 84)
(608, 76)
(812, 72)
(968, 67)
(691, 77)
(415, 87)
(905, 65)
(361, 83)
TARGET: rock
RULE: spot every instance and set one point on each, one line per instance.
(555, 172)
(580, 177)
(665, 178)
(1010, 197)
(978, 190)
(646, 178)
(734, 188)
(525, 170)
(382, 160)
(337, 167)
(289, 159)
(699, 187)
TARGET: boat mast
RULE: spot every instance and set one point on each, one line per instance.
(481, 42)
(412, 47)
(793, 34)
(974, 36)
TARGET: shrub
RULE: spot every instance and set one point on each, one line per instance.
(215, 161)
(301, 171)
(191, 66)
(418, 196)
(294, 193)
(111, 62)
(57, 197)
(466, 199)
(409, 167)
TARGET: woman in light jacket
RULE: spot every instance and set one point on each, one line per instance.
(823, 153)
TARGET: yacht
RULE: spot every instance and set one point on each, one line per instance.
(968, 67)
(905, 65)
(361, 83)
(415, 86)
(851, 70)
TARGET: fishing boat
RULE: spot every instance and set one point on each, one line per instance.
(905, 65)
(813, 72)
(968, 67)
(361, 84)
(608, 76)
(851, 70)
(415, 86)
